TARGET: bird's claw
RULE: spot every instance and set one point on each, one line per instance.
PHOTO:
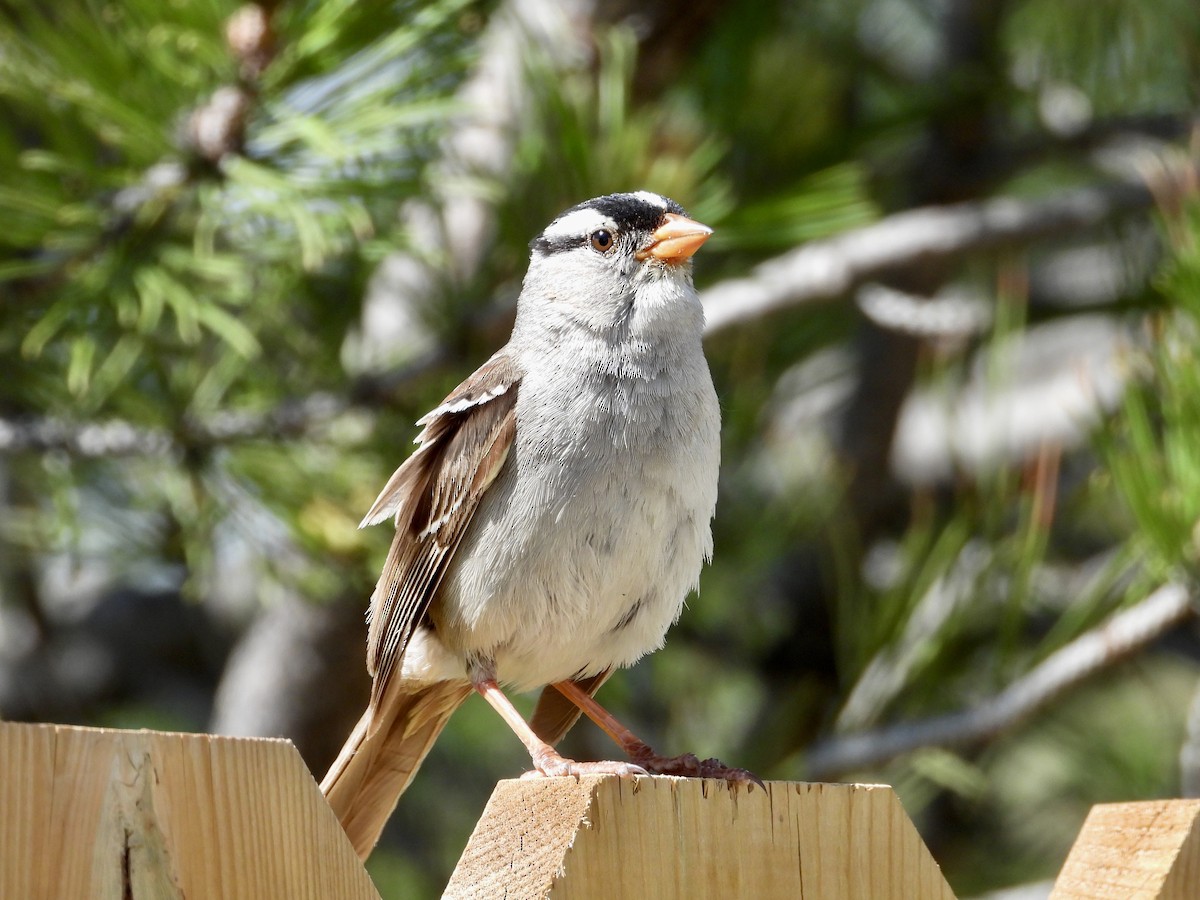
(552, 765)
(557, 766)
(689, 766)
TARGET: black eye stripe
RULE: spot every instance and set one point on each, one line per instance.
(557, 244)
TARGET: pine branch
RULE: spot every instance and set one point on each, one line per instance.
(1098, 650)
(452, 229)
(821, 270)
(291, 418)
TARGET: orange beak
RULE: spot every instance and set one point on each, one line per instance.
(676, 239)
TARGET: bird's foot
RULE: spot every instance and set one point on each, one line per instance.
(552, 765)
(689, 766)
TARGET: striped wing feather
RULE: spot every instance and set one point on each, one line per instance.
(433, 497)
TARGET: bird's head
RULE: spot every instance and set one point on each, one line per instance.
(610, 260)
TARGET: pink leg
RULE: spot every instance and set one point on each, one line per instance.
(545, 758)
(641, 753)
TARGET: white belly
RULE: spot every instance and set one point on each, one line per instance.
(582, 553)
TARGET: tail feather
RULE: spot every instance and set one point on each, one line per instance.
(382, 754)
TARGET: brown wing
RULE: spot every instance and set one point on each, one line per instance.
(433, 496)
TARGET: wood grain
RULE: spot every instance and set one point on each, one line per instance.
(604, 837)
(1135, 851)
(134, 815)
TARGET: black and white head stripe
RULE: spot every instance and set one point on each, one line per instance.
(640, 211)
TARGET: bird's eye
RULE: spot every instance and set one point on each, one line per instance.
(602, 241)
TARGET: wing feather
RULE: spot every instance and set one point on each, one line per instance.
(433, 497)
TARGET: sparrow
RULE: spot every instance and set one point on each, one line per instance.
(555, 514)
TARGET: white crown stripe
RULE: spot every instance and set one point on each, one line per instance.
(652, 198)
(577, 223)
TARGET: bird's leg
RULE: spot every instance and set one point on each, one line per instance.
(642, 754)
(546, 760)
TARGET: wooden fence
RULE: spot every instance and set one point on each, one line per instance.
(140, 815)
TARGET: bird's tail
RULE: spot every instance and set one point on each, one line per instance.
(383, 753)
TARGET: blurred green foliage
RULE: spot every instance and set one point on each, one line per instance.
(202, 298)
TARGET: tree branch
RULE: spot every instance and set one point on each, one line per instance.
(292, 418)
(92, 440)
(87, 440)
(829, 269)
(1119, 637)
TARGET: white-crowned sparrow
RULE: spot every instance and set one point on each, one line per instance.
(556, 513)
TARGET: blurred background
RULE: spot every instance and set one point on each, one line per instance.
(953, 302)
